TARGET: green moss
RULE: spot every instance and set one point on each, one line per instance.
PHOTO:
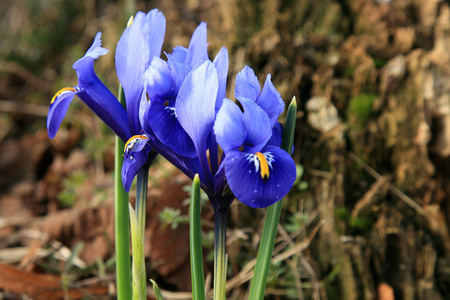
(359, 108)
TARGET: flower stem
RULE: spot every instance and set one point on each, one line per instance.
(141, 197)
(195, 242)
(122, 232)
(258, 285)
(220, 272)
(137, 219)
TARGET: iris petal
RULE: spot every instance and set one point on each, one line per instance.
(277, 135)
(58, 110)
(247, 184)
(179, 53)
(189, 166)
(164, 123)
(94, 93)
(162, 90)
(135, 50)
(195, 107)
(136, 156)
(257, 126)
(178, 72)
(197, 50)
(247, 84)
(270, 100)
(158, 79)
(221, 64)
(229, 126)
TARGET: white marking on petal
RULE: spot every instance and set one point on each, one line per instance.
(171, 108)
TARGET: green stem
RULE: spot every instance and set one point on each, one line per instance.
(220, 272)
(122, 232)
(137, 235)
(141, 197)
(258, 285)
(195, 243)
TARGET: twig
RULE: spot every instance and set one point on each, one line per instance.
(392, 188)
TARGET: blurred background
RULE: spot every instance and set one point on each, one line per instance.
(368, 217)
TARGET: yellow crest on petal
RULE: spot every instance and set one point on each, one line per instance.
(62, 91)
(132, 140)
(264, 166)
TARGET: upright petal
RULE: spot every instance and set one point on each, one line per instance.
(155, 29)
(277, 135)
(135, 50)
(261, 179)
(178, 71)
(221, 64)
(270, 100)
(257, 126)
(197, 50)
(157, 79)
(179, 53)
(195, 107)
(229, 126)
(247, 84)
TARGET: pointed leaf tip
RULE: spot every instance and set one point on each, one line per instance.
(294, 102)
(157, 291)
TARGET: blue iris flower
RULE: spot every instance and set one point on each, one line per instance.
(139, 43)
(187, 117)
(258, 171)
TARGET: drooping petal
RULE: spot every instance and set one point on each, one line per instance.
(189, 166)
(164, 123)
(247, 84)
(96, 95)
(259, 180)
(138, 44)
(221, 64)
(257, 126)
(96, 50)
(137, 154)
(161, 115)
(229, 126)
(58, 109)
(195, 107)
(270, 100)
(197, 50)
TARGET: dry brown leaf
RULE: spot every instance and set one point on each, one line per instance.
(42, 286)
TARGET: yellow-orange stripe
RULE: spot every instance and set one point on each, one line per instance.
(263, 165)
(132, 138)
(62, 91)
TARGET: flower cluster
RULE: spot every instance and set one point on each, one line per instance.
(177, 107)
